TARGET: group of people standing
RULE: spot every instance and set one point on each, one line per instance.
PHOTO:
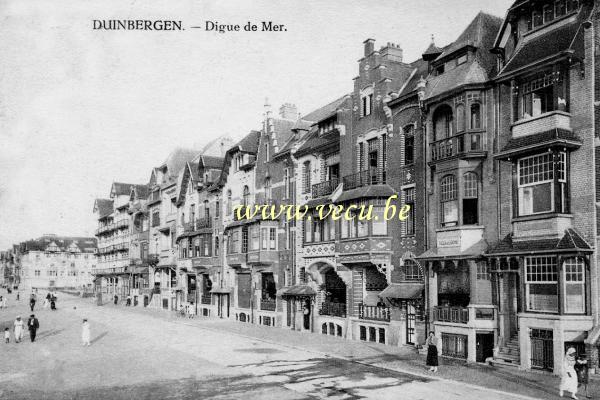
(19, 327)
(187, 310)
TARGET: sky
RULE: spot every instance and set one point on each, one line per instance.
(81, 108)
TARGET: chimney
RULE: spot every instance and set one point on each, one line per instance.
(392, 52)
(288, 111)
(369, 46)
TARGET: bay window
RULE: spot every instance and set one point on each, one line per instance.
(443, 122)
(475, 116)
(272, 238)
(254, 238)
(538, 96)
(541, 284)
(378, 222)
(197, 247)
(264, 233)
(574, 281)
(538, 190)
(449, 202)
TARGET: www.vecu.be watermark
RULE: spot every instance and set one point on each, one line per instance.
(336, 212)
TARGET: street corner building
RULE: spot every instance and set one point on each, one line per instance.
(490, 139)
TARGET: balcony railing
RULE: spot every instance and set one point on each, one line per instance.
(374, 313)
(267, 305)
(202, 223)
(206, 299)
(324, 188)
(373, 176)
(151, 259)
(333, 309)
(451, 314)
(456, 145)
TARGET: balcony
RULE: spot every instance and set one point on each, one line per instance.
(366, 246)
(206, 299)
(464, 145)
(542, 123)
(373, 313)
(457, 315)
(151, 259)
(374, 176)
(140, 236)
(236, 260)
(124, 223)
(267, 305)
(263, 257)
(333, 309)
(324, 188)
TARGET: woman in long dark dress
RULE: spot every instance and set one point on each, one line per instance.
(432, 352)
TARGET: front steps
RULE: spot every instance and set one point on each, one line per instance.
(509, 354)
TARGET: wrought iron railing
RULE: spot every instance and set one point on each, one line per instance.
(267, 305)
(451, 314)
(456, 145)
(202, 223)
(373, 176)
(324, 188)
(374, 313)
(333, 309)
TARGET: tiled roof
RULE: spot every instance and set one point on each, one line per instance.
(119, 188)
(212, 162)
(142, 191)
(324, 112)
(296, 290)
(177, 160)
(84, 244)
(193, 168)
(433, 50)
(571, 241)
(445, 253)
(480, 34)
(567, 38)
(315, 142)
(104, 207)
(535, 141)
(420, 71)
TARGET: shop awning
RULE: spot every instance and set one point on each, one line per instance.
(405, 290)
(454, 253)
(221, 290)
(296, 290)
(571, 242)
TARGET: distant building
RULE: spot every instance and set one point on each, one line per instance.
(54, 262)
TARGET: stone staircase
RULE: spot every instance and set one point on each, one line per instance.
(509, 354)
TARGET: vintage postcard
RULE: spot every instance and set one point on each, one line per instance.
(299, 199)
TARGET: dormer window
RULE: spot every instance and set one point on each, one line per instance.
(550, 12)
(440, 70)
(326, 126)
(366, 99)
(538, 96)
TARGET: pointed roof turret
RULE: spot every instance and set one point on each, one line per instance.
(432, 51)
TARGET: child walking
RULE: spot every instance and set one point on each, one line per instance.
(6, 335)
(85, 333)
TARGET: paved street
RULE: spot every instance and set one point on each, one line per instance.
(141, 354)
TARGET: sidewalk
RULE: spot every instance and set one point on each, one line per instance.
(401, 359)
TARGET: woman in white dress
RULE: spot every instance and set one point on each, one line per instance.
(19, 328)
(85, 333)
(568, 380)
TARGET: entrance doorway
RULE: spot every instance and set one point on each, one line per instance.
(484, 346)
(306, 311)
(542, 349)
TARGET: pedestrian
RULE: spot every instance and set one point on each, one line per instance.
(18, 295)
(432, 352)
(32, 301)
(85, 333)
(47, 300)
(4, 300)
(6, 335)
(583, 372)
(1, 302)
(18, 329)
(116, 299)
(53, 303)
(191, 310)
(128, 303)
(33, 325)
(568, 380)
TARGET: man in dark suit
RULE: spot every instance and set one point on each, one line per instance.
(33, 325)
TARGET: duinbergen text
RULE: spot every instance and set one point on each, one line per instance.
(363, 212)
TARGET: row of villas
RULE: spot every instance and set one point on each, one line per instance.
(492, 142)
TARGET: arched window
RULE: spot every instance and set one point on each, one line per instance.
(460, 118)
(306, 177)
(470, 199)
(228, 204)
(268, 189)
(475, 116)
(442, 122)
(246, 196)
(449, 200)
(409, 144)
(412, 271)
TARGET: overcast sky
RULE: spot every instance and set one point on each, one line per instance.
(81, 108)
